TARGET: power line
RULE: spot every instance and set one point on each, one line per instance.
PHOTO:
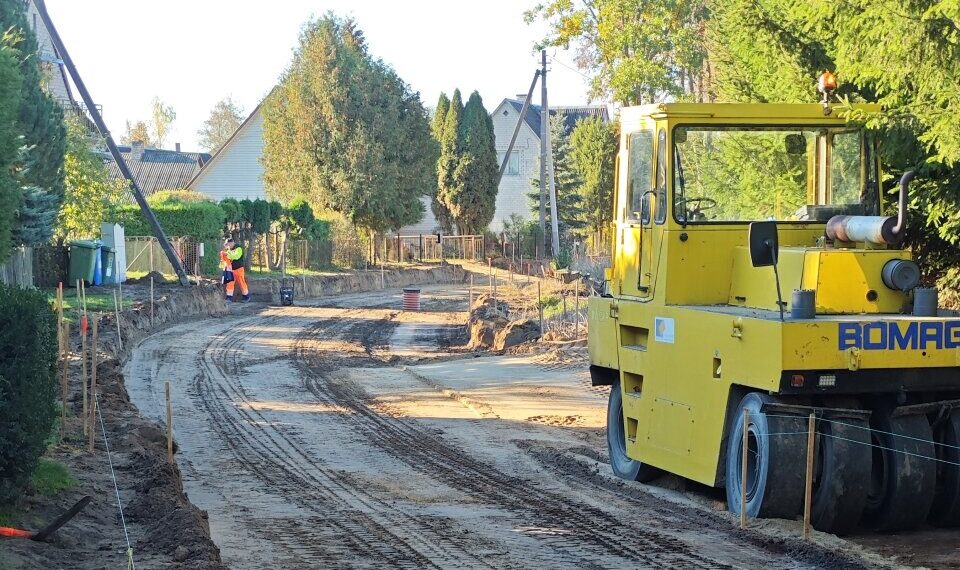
(577, 71)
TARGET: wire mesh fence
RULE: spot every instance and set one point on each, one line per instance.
(202, 257)
(429, 247)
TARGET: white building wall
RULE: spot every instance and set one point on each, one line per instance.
(427, 225)
(235, 171)
(513, 190)
(52, 71)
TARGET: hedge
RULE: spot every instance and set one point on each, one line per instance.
(28, 384)
(202, 220)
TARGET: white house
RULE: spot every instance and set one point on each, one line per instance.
(235, 171)
(524, 163)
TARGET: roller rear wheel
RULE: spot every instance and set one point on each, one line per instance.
(775, 461)
(903, 480)
(842, 475)
(946, 503)
(623, 466)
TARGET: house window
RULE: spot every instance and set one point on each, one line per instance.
(513, 165)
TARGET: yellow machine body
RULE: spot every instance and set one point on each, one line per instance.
(688, 323)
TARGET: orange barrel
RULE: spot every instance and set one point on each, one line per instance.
(411, 299)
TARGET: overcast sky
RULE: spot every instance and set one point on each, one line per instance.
(193, 53)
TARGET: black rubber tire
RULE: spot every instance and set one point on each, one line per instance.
(776, 477)
(623, 466)
(842, 465)
(903, 481)
(946, 502)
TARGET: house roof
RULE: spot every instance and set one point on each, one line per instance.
(160, 169)
(570, 115)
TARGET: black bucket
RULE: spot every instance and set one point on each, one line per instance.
(286, 292)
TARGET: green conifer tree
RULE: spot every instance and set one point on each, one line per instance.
(570, 210)
(438, 126)
(39, 168)
(448, 183)
(10, 193)
(478, 170)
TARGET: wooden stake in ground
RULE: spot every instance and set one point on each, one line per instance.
(79, 302)
(471, 292)
(169, 424)
(540, 307)
(60, 339)
(65, 377)
(151, 301)
(808, 492)
(120, 293)
(83, 371)
(116, 313)
(576, 309)
(490, 272)
(494, 287)
(93, 384)
(743, 468)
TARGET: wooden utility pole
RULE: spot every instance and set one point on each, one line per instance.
(543, 149)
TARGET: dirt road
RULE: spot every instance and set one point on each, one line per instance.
(350, 434)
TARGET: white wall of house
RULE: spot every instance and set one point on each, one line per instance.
(235, 171)
(515, 185)
(53, 72)
(427, 225)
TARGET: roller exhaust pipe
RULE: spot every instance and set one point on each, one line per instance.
(881, 230)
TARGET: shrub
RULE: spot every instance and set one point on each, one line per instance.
(202, 220)
(231, 210)
(28, 383)
(182, 195)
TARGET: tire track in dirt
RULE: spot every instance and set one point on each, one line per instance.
(595, 536)
(350, 525)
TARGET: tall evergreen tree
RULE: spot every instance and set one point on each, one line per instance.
(344, 131)
(438, 126)
(10, 98)
(39, 168)
(448, 184)
(593, 149)
(570, 211)
(477, 172)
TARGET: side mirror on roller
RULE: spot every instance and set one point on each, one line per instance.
(764, 245)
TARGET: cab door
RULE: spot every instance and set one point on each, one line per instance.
(637, 179)
(649, 247)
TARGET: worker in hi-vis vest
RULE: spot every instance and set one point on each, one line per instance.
(234, 262)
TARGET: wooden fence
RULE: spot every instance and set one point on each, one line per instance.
(18, 270)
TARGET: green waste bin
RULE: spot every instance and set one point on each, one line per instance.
(108, 257)
(83, 260)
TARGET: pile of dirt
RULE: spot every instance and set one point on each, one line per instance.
(490, 329)
(156, 276)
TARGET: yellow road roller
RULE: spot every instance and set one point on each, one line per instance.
(753, 269)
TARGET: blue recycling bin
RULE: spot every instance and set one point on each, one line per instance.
(98, 269)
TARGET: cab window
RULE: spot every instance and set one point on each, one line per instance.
(785, 173)
(640, 176)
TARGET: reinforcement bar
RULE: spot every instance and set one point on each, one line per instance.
(111, 145)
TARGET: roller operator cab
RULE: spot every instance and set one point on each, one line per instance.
(721, 211)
